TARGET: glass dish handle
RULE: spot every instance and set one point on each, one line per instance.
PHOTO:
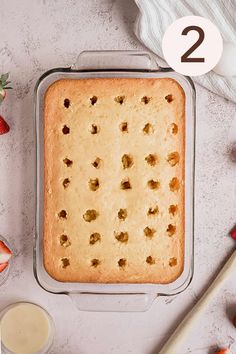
(113, 302)
(116, 60)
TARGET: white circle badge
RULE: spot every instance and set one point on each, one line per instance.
(192, 45)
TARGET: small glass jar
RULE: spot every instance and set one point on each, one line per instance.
(26, 328)
(5, 273)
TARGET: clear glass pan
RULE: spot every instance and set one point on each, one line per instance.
(114, 297)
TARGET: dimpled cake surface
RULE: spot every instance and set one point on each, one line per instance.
(114, 166)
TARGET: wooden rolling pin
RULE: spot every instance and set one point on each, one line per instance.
(181, 332)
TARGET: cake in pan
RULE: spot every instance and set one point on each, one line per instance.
(114, 159)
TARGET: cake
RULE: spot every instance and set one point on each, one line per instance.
(114, 171)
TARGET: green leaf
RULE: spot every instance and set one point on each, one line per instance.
(1, 99)
(4, 77)
(4, 80)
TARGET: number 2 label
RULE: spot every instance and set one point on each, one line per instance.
(192, 45)
(185, 57)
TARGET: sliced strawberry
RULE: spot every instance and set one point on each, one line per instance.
(3, 266)
(4, 257)
(4, 248)
(5, 253)
(4, 127)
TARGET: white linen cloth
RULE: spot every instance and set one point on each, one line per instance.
(156, 15)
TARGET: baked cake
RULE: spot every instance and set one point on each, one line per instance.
(114, 180)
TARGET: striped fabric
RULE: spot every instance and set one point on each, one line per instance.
(156, 15)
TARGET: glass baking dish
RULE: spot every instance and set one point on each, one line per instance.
(114, 297)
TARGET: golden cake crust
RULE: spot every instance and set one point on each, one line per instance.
(114, 147)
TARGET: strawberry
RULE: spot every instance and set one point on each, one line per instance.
(3, 266)
(233, 233)
(4, 127)
(223, 351)
(5, 253)
(3, 86)
(3, 93)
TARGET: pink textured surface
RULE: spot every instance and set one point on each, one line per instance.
(47, 34)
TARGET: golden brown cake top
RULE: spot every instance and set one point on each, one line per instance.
(114, 180)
